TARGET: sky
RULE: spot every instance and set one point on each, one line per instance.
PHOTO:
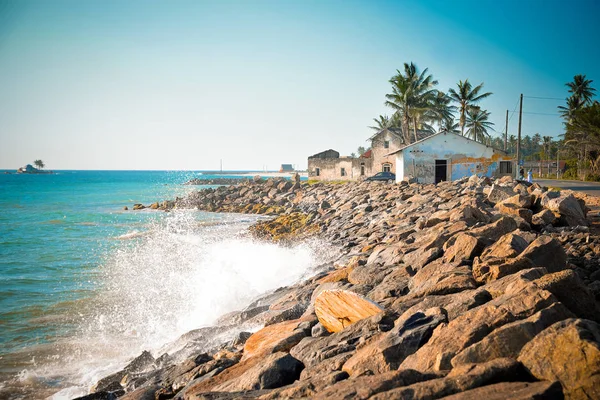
(184, 85)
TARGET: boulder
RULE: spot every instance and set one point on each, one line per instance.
(471, 327)
(337, 309)
(493, 269)
(572, 292)
(273, 371)
(513, 391)
(387, 351)
(274, 338)
(569, 352)
(364, 387)
(490, 233)
(460, 379)
(543, 218)
(465, 247)
(546, 252)
(509, 245)
(498, 193)
(570, 211)
(508, 340)
(514, 210)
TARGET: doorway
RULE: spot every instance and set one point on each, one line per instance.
(441, 170)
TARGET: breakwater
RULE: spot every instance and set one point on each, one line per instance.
(462, 289)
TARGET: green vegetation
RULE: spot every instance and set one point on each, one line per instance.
(582, 124)
(39, 164)
(466, 97)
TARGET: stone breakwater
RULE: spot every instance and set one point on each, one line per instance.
(462, 290)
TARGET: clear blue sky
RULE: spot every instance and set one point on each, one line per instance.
(182, 84)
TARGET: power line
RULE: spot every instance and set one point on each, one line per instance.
(543, 98)
(538, 113)
(515, 109)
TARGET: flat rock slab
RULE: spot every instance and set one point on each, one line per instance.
(337, 309)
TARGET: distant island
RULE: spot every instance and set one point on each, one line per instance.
(30, 169)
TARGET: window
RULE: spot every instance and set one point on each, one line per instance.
(362, 169)
(386, 144)
(387, 168)
(506, 167)
(343, 171)
(317, 171)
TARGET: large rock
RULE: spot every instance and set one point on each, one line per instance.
(465, 247)
(366, 386)
(509, 245)
(386, 352)
(462, 378)
(471, 327)
(546, 252)
(337, 309)
(568, 351)
(498, 193)
(512, 209)
(274, 338)
(570, 211)
(513, 391)
(273, 371)
(543, 218)
(490, 233)
(493, 269)
(508, 340)
(572, 292)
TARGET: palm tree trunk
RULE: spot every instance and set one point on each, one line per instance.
(415, 128)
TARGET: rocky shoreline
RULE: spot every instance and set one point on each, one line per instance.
(460, 290)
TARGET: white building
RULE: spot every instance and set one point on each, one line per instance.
(448, 156)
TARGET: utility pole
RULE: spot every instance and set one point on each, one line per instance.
(506, 133)
(519, 135)
(557, 159)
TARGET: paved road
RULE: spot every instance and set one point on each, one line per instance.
(591, 188)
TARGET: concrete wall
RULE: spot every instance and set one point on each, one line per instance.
(380, 153)
(331, 169)
(464, 158)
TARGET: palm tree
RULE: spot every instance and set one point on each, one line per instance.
(466, 96)
(573, 104)
(449, 126)
(440, 110)
(581, 89)
(383, 122)
(411, 96)
(39, 164)
(478, 124)
(512, 143)
(546, 145)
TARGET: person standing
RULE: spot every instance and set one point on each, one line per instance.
(521, 174)
(529, 176)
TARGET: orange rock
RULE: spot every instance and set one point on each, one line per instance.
(337, 309)
(336, 276)
(273, 338)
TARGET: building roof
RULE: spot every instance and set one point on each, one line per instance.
(367, 154)
(324, 154)
(395, 131)
(443, 133)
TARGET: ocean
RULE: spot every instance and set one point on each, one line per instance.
(85, 285)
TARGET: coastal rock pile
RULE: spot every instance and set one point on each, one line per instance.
(462, 289)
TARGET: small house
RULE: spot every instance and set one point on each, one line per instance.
(448, 156)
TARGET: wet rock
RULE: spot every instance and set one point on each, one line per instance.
(273, 371)
(569, 352)
(337, 309)
(274, 338)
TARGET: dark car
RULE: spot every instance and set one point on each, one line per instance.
(382, 176)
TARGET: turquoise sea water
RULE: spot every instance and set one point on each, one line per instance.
(84, 284)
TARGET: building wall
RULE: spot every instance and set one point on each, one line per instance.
(330, 169)
(380, 153)
(464, 158)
